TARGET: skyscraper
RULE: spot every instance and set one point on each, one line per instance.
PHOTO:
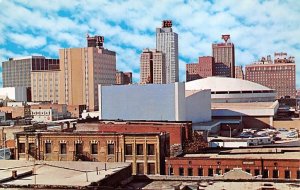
(224, 57)
(152, 67)
(280, 75)
(167, 43)
(239, 73)
(82, 69)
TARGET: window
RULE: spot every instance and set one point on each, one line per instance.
(31, 150)
(248, 171)
(139, 149)
(150, 149)
(171, 171)
(110, 149)
(47, 148)
(94, 148)
(190, 171)
(151, 168)
(275, 173)
(128, 149)
(287, 174)
(298, 174)
(181, 171)
(200, 171)
(79, 148)
(63, 148)
(21, 147)
(265, 173)
(256, 172)
(210, 172)
(139, 168)
(218, 171)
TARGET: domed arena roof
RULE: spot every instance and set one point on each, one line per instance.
(217, 84)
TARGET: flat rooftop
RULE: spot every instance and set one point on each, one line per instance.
(66, 173)
(247, 105)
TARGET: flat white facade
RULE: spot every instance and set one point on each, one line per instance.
(167, 43)
(46, 115)
(153, 102)
(14, 93)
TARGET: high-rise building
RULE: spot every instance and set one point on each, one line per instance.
(239, 73)
(17, 71)
(45, 86)
(280, 75)
(152, 67)
(224, 57)
(82, 69)
(167, 43)
(123, 77)
(204, 68)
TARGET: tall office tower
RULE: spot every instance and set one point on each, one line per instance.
(224, 58)
(152, 68)
(167, 43)
(82, 69)
(123, 77)
(16, 71)
(45, 86)
(280, 75)
(239, 73)
(204, 68)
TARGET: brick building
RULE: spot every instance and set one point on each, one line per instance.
(239, 73)
(17, 112)
(204, 68)
(280, 75)
(268, 162)
(123, 77)
(146, 151)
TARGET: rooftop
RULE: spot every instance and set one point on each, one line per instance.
(244, 105)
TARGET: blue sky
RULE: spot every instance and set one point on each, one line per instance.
(257, 28)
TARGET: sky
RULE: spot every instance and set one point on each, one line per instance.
(257, 28)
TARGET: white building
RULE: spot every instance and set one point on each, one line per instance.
(167, 42)
(46, 115)
(14, 93)
(154, 102)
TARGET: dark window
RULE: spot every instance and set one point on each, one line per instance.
(150, 149)
(48, 148)
(275, 173)
(63, 148)
(256, 172)
(128, 149)
(190, 171)
(248, 171)
(79, 148)
(200, 171)
(21, 147)
(31, 148)
(181, 171)
(210, 172)
(171, 171)
(287, 174)
(110, 149)
(265, 173)
(139, 149)
(227, 170)
(218, 171)
(298, 174)
(94, 148)
(140, 168)
(151, 168)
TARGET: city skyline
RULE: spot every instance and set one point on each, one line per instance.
(129, 26)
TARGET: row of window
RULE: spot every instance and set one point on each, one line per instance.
(210, 172)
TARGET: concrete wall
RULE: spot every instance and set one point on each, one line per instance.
(142, 102)
(198, 106)
(14, 93)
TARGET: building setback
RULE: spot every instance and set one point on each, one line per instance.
(167, 43)
(123, 77)
(16, 71)
(224, 56)
(204, 68)
(280, 75)
(152, 67)
(82, 69)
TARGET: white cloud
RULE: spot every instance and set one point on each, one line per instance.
(27, 40)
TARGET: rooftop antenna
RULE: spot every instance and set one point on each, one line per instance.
(226, 37)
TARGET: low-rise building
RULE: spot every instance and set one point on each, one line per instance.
(17, 111)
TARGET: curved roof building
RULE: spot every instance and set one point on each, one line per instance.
(226, 90)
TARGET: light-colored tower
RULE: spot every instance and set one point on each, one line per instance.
(224, 56)
(167, 43)
(152, 69)
(82, 69)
